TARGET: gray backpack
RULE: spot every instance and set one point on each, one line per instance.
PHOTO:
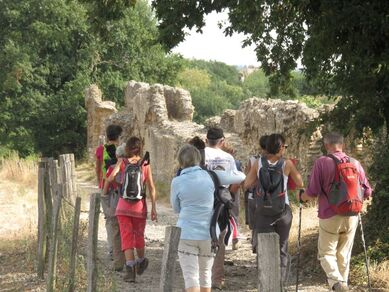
(271, 191)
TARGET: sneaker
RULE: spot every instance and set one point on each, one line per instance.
(340, 287)
(235, 244)
(142, 266)
(118, 268)
(130, 274)
(218, 286)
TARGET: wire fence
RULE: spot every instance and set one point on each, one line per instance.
(59, 209)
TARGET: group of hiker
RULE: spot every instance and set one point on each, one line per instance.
(205, 193)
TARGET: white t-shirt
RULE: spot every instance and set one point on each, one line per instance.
(218, 159)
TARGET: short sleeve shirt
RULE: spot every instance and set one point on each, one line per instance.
(322, 175)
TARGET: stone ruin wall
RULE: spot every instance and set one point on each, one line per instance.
(162, 117)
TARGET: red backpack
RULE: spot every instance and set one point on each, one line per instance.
(346, 194)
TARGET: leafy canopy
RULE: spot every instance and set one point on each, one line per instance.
(342, 45)
(51, 50)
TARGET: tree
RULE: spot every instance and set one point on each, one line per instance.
(257, 83)
(342, 45)
(214, 87)
(50, 51)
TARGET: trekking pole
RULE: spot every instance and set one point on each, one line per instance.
(299, 240)
(364, 249)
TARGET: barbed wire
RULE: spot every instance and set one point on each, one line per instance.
(71, 205)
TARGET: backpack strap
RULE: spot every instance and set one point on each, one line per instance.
(266, 182)
(145, 160)
(216, 182)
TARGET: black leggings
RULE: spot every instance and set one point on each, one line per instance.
(281, 225)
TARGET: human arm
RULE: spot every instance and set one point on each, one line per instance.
(367, 190)
(230, 177)
(251, 177)
(153, 196)
(174, 200)
(293, 172)
(105, 188)
(115, 171)
(99, 170)
(314, 188)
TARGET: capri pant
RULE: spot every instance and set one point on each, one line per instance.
(132, 232)
(196, 260)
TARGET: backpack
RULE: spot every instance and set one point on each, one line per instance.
(132, 187)
(109, 157)
(346, 195)
(271, 190)
(222, 204)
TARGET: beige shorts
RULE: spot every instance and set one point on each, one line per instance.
(196, 260)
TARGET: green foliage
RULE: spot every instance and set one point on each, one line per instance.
(257, 84)
(214, 87)
(341, 45)
(217, 70)
(377, 219)
(50, 51)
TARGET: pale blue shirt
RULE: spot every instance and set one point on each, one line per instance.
(191, 196)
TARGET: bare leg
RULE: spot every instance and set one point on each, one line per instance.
(202, 289)
(140, 252)
(193, 289)
(129, 254)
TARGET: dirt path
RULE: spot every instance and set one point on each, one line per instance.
(240, 265)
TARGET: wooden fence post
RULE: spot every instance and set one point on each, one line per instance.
(42, 224)
(93, 228)
(172, 238)
(54, 243)
(268, 260)
(73, 177)
(51, 192)
(73, 256)
(68, 176)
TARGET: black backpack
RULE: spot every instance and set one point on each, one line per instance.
(271, 191)
(109, 156)
(133, 187)
(222, 204)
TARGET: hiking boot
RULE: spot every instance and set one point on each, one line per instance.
(142, 266)
(340, 287)
(130, 274)
(235, 244)
(118, 268)
(218, 286)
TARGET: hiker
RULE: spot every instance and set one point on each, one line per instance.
(106, 157)
(131, 210)
(273, 213)
(192, 196)
(197, 142)
(337, 226)
(236, 197)
(217, 158)
(110, 197)
(250, 204)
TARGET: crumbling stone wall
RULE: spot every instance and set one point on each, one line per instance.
(162, 117)
(98, 112)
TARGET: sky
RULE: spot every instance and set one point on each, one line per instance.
(213, 45)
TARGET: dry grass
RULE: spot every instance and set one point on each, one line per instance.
(16, 169)
(380, 275)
